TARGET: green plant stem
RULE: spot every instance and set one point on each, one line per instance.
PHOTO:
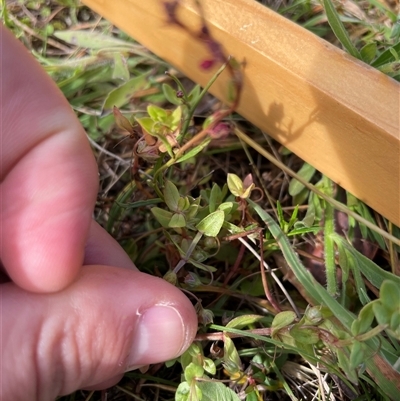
(202, 134)
(197, 138)
(372, 333)
(273, 275)
(190, 250)
(256, 171)
(329, 250)
(178, 83)
(392, 252)
(337, 205)
(200, 97)
(361, 337)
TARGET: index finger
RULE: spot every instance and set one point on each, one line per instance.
(48, 176)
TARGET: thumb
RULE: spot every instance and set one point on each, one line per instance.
(108, 321)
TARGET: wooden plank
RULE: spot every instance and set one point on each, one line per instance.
(333, 111)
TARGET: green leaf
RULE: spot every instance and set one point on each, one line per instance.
(215, 198)
(147, 125)
(194, 95)
(156, 113)
(390, 295)
(232, 228)
(170, 94)
(171, 277)
(193, 371)
(339, 29)
(301, 197)
(306, 172)
(244, 321)
(121, 95)
(395, 323)
(365, 319)
(382, 313)
(387, 56)
(193, 152)
(344, 364)
(171, 195)
(211, 224)
(304, 335)
(293, 217)
(175, 118)
(91, 40)
(281, 218)
(283, 319)
(226, 207)
(392, 68)
(355, 327)
(177, 221)
(247, 191)
(395, 54)
(162, 216)
(357, 355)
(183, 392)
(202, 266)
(209, 366)
(216, 391)
(183, 203)
(121, 70)
(305, 230)
(193, 209)
(231, 356)
(121, 121)
(368, 52)
(194, 350)
(309, 218)
(235, 184)
(253, 394)
(313, 315)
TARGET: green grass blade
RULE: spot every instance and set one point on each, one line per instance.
(306, 172)
(313, 288)
(91, 40)
(116, 209)
(339, 29)
(329, 228)
(321, 296)
(368, 268)
(387, 56)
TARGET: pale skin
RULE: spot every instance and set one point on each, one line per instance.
(75, 311)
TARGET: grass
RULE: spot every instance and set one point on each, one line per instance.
(310, 313)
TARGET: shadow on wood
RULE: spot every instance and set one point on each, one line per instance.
(335, 112)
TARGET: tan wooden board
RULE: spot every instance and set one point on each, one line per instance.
(333, 111)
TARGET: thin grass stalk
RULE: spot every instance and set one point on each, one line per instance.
(337, 205)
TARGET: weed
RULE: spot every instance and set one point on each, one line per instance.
(284, 299)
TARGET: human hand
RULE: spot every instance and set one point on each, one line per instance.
(66, 321)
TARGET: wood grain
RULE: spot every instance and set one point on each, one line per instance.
(333, 111)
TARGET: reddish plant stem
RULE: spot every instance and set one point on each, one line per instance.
(267, 291)
(235, 267)
(219, 336)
